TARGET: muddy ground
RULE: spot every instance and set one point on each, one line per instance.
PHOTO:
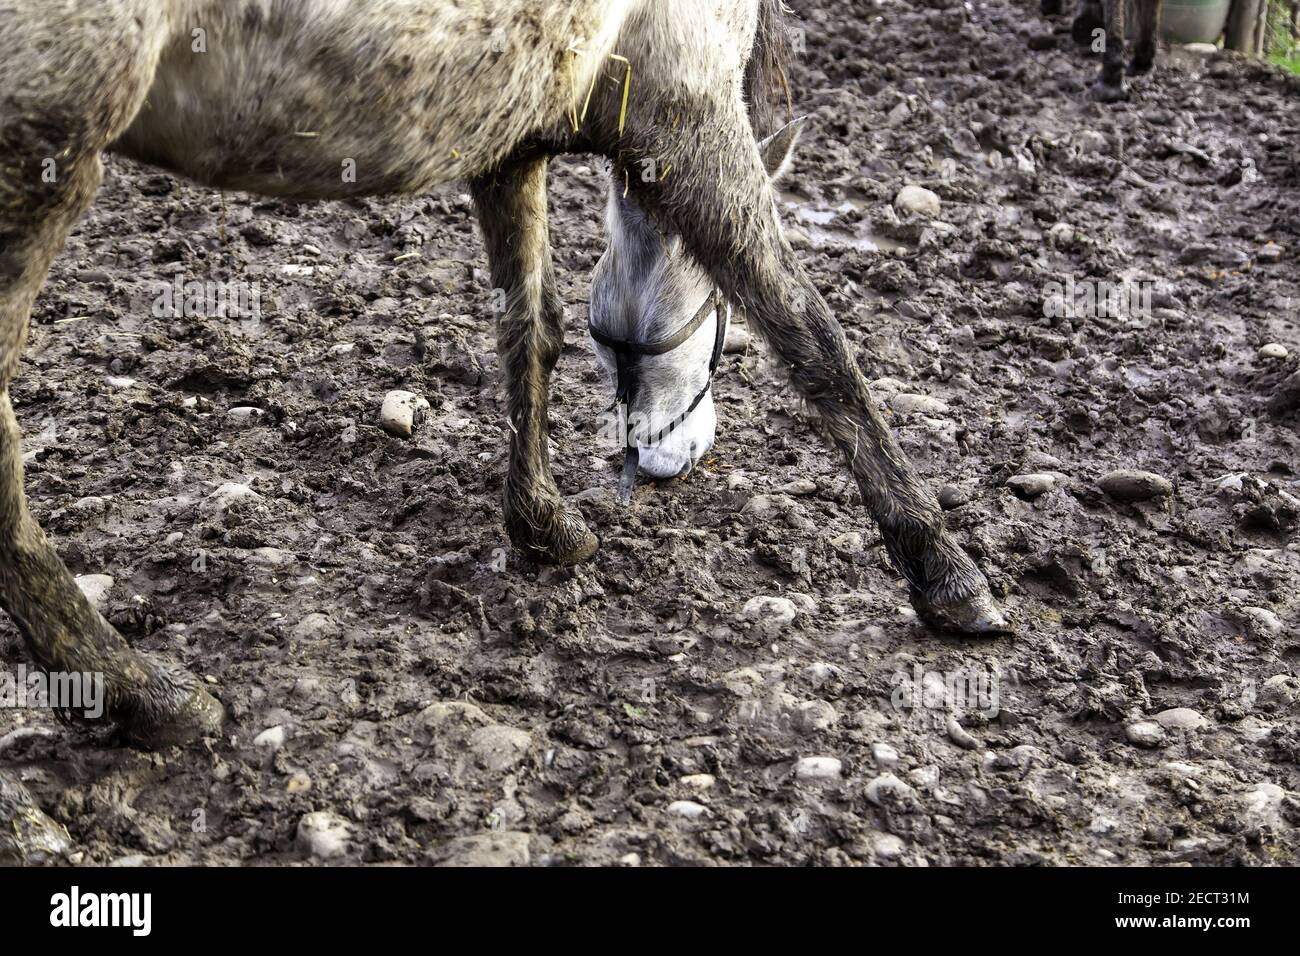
(389, 665)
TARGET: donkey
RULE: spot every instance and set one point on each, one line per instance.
(276, 96)
(1110, 24)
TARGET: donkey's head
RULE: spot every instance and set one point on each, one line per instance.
(654, 313)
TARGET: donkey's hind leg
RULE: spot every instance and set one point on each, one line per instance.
(511, 205)
(720, 199)
(1144, 52)
(69, 88)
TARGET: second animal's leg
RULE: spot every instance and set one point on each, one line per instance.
(511, 205)
(1086, 24)
(1144, 54)
(1109, 87)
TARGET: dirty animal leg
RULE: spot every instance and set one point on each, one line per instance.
(1144, 54)
(720, 199)
(152, 704)
(511, 204)
(1109, 87)
(1088, 21)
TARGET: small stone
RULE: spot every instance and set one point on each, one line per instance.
(905, 403)
(888, 847)
(818, 768)
(848, 543)
(1061, 234)
(1145, 733)
(737, 339)
(953, 496)
(402, 412)
(1130, 485)
(96, 588)
(919, 201)
(323, 835)
(1201, 49)
(799, 487)
(1230, 484)
(762, 506)
(245, 416)
(343, 348)
(770, 613)
(887, 787)
(1181, 718)
(630, 859)
(1032, 485)
(814, 715)
(885, 756)
(271, 739)
(119, 381)
(298, 783)
(231, 493)
(1263, 621)
(698, 781)
(688, 809)
(1273, 352)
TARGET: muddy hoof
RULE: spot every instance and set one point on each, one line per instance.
(1140, 66)
(27, 836)
(978, 614)
(177, 710)
(1107, 92)
(567, 541)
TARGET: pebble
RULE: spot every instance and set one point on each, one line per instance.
(953, 496)
(402, 412)
(888, 847)
(229, 494)
(798, 487)
(1032, 485)
(1145, 733)
(119, 381)
(918, 200)
(1273, 352)
(737, 339)
(1263, 621)
(271, 739)
(886, 787)
(323, 835)
(814, 715)
(688, 809)
(1180, 718)
(906, 403)
(770, 613)
(1062, 233)
(245, 416)
(960, 736)
(699, 781)
(849, 543)
(96, 588)
(1130, 485)
(884, 755)
(764, 505)
(818, 768)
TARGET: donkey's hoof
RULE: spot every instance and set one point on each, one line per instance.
(1104, 92)
(566, 541)
(978, 614)
(175, 711)
(27, 836)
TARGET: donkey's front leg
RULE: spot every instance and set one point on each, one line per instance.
(720, 199)
(1109, 87)
(511, 204)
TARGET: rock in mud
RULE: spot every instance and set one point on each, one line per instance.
(888, 847)
(96, 588)
(1032, 485)
(323, 835)
(885, 756)
(273, 738)
(688, 809)
(918, 201)
(227, 495)
(814, 715)
(1273, 352)
(953, 496)
(497, 747)
(887, 788)
(822, 769)
(1145, 733)
(245, 416)
(1181, 718)
(1130, 485)
(698, 781)
(402, 412)
(737, 339)
(770, 614)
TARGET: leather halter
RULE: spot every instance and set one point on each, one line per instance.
(627, 355)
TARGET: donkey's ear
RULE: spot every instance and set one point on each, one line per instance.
(778, 149)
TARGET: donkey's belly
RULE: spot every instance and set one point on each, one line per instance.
(328, 98)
